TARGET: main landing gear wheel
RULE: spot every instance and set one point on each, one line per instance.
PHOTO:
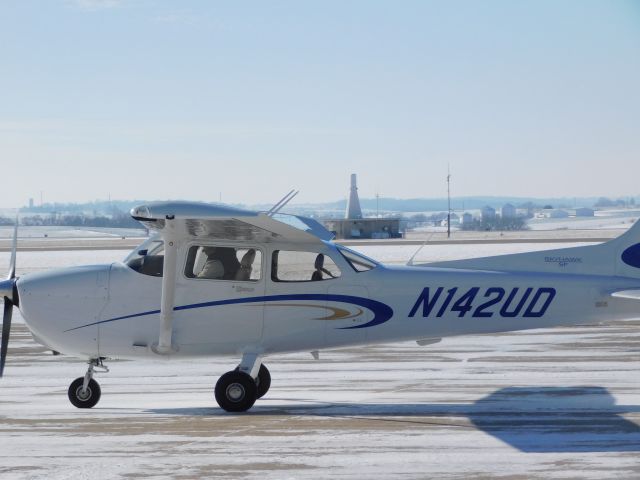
(236, 391)
(87, 399)
(263, 382)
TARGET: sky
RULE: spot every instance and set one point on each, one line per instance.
(243, 101)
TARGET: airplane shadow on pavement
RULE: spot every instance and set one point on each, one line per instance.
(556, 419)
(530, 419)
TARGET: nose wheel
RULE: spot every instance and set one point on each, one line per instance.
(84, 392)
(237, 391)
(84, 398)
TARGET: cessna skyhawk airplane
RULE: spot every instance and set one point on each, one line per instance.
(216, 280)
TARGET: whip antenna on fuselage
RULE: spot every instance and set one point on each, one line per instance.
(410, 262)
(282, 202)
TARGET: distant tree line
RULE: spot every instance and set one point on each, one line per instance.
(387, 204)
(607, 202)
(421, 219)
(97, 207)
(116, 221)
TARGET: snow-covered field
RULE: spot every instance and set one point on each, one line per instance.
(561, 403)
(603, 220)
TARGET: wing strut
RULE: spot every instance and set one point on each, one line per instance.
(164, 346)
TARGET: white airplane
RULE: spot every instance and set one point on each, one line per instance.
(216, 280)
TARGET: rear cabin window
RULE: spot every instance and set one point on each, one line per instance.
(295, 266)
(238, 264)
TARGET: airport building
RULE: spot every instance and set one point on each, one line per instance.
(488, 213)
(556, 213)
(355, 226)
(508, 211)
(585, 212)
(466, 218)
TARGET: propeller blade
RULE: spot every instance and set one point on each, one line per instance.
(6, 329)
(14, 248)
(9, 286)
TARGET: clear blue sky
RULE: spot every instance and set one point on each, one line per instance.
(194, 99)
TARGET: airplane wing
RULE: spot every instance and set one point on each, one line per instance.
(222, 222)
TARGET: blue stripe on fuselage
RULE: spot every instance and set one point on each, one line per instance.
(381, 311)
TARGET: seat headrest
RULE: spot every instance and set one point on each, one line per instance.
(319, 261)
(248, 258)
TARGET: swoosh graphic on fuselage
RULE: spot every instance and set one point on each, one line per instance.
(338, 313)
(381, 311)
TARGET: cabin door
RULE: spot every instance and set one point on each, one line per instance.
(219, 303)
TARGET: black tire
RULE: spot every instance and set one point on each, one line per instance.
(236, 391)
(91, 396)
(263, 382)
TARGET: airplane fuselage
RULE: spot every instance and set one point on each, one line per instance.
(112, 311)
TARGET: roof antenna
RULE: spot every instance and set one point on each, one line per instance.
(282, 202)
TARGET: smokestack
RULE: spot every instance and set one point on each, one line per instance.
(353, 205)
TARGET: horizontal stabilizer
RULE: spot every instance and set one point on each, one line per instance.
(630, 294)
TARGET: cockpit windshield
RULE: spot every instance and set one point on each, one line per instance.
(358, 262)
(148, 258)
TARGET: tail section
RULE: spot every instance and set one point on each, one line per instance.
(628, 252)
(620, 256)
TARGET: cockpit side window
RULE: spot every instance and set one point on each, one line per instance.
(240, 264)
(148, 260)
(297, 266)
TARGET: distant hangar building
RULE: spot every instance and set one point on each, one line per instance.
(557, 213)
(355, 226)
(584, 212)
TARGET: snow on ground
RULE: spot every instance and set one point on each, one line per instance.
(559, 403)
(603, 220)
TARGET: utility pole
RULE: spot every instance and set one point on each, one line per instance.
(448, 202)
(377, 204)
